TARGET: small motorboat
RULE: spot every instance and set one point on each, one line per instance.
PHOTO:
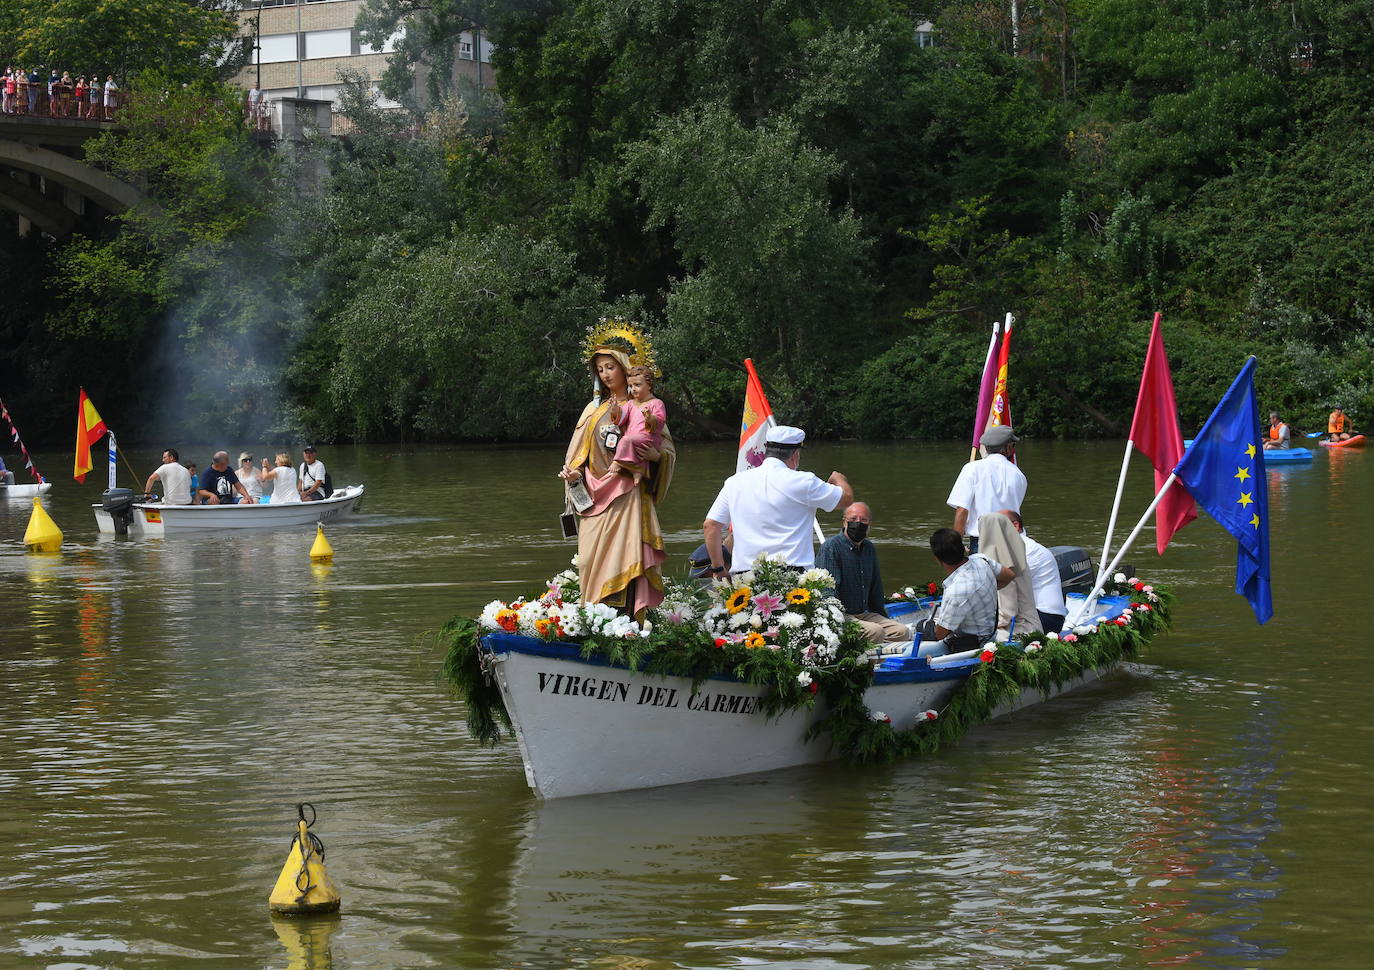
(121, 512)
(17, 492)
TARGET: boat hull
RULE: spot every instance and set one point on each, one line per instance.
(586, 728)
(159, 521)
(16, 492)
(1357, 441)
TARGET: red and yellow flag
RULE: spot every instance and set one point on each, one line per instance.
(758, 418)
(90, 428)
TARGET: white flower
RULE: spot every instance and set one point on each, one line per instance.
(1119, 578)
(488, 617)
(746, 579)
(878, 715)
(791, 620)
(646, 628)
(1051, 636)
(739, 620)
(927, 716)
(804, 679)
(576, 561)
(990, 645)
(1035, 647)
(819, 577)
(755, 620)
(1082, 629)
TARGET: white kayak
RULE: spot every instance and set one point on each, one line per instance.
(159, 520)
(16, 492)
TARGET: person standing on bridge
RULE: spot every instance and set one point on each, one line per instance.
(111, 96)
(35, 85)
(11, 83)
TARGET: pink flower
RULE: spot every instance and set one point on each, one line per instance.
(674, 616)
(767, 605)
(1069, 638)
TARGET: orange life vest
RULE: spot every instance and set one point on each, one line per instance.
(1336, 425)
(1274, 431)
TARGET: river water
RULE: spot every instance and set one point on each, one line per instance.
(166, 703)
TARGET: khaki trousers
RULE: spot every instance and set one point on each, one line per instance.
(881, 629)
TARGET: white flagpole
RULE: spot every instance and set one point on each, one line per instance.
(1121, 553)
(1116, 505)
(114, 451)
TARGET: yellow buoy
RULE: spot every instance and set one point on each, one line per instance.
(42, 535)
(321, 551)
(303, 886)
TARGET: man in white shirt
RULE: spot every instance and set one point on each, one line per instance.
(988, 485)
(771, 508)
(1044, 570)
(311, 478)
(175, 479)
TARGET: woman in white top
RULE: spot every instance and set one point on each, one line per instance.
(283, 479)
(248, 478)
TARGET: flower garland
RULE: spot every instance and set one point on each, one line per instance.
(774, 627)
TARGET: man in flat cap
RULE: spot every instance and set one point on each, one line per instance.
(988, 485)
(770, 508)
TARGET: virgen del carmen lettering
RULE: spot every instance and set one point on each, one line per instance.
(616, 691)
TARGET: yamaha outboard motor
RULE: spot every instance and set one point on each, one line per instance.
(1075, 568)
(119, 502)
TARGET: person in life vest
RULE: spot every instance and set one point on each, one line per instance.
(1338, 426)
(1278, 433)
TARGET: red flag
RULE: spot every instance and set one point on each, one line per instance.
(758, 418)
(1155, 434)
(999, 409)
(89, 430)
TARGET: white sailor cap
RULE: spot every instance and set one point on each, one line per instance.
(784, 435)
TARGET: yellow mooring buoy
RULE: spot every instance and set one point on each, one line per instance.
(42, 535)
(321, 551)
(303, 886)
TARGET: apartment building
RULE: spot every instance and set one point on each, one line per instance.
(303, 45)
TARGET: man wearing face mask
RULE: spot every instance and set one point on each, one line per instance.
(852, 559)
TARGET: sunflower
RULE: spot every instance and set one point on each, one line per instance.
(739, 599)
(799, 596)
(755, 639)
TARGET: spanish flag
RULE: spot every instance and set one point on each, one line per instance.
(758, 418)
(90, 428)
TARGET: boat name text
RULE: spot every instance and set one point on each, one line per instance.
(617, 691)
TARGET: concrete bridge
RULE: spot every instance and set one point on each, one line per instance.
(46, 182)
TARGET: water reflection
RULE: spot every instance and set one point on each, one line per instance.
(306, 941)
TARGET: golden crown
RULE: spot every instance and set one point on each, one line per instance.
(622, 335)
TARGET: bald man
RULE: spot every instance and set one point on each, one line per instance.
(851, 558)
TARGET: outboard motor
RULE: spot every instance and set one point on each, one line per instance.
(119, 502)
(1075, 568)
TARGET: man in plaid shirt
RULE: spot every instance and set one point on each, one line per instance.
(967, 615)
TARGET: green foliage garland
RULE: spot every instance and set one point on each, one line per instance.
(683, 650)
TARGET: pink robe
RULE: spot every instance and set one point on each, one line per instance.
(637, 438)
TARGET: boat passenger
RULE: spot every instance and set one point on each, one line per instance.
(987, 485)
(1278, 433)
(195, 479)
(283, 479)
(312, 478)
(1016, 601)
(6, 476)
(219, 483)
(1044, 574)
(853, 560)
(1338, 426)
(771, 508)
(619, 541)
(175, 479)
(249, 479)
(967, 615)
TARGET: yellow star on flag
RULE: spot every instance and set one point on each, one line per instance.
(1244, 499)
(1250, 451)
(1242, 473)
(1254, 520)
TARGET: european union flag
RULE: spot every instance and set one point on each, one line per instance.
(1224, 469)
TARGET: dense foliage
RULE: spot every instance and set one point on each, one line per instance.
(805, 182)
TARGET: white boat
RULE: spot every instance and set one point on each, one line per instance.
(586, 727)
(16, 492)
(118, 514)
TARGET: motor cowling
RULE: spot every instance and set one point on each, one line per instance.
(119, 502)
(1075, 568)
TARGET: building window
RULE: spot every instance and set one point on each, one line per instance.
(465, 49)
(386, 48)
(925, 34)
(328, 43)
(275, 48)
